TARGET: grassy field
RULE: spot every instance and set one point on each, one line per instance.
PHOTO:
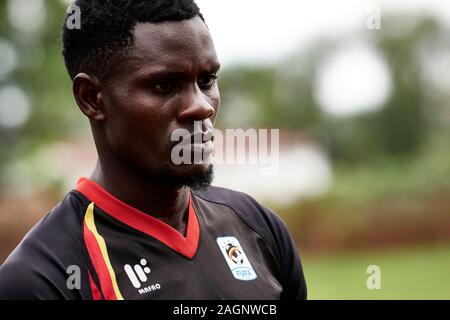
(414, 273)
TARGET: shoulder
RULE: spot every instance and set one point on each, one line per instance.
(37, 268)
(243, 204)
(258, 217)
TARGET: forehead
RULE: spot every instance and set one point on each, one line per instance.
(185, 44)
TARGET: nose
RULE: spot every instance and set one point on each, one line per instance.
(197, 107)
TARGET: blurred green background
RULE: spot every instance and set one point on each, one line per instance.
(364, 122)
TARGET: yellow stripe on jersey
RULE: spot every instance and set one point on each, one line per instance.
(89, 219)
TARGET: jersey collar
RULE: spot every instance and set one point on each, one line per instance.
(136, 219)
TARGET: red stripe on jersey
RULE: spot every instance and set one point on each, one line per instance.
(96, 295)
(99, 264)
(136, 219)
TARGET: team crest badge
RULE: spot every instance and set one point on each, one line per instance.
(236, 259)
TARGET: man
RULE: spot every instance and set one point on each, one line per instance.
(143, 227)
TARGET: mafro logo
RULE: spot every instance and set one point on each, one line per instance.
(139, 274)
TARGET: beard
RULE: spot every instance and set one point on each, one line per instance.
(196, 177)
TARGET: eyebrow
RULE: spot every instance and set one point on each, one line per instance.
(176, 72)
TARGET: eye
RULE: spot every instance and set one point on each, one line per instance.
(163, 87)
(207, 81)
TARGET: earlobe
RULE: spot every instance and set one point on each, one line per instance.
(89, 97)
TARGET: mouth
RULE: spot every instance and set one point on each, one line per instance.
(202, 143)
(203, 136)
(206, 147)
(194, 151)
(199, 144)
(202, 146)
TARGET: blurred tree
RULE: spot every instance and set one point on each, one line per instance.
(41, 74)
(277, 95)
(401, 125)
(283, 96)
(282, 93)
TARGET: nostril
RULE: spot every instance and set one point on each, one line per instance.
(198, 107)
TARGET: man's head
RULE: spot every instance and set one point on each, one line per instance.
(142, 69)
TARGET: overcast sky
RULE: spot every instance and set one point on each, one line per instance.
(353, 80)
(255, 30)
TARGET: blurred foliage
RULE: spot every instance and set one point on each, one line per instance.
(275, 95)
(284, 96)
(41, 74)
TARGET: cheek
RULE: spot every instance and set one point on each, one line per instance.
(137, 112)
(214, 98)
(138, 126)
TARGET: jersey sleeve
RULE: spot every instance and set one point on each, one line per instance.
(49, 263)
(291, 270)
(24, 276)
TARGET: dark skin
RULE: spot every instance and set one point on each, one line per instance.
(166, 82)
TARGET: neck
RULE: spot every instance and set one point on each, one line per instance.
(166, 203)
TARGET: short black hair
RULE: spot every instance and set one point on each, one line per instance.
(106, 30)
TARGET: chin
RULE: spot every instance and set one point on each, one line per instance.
(194, 176)
(197, 168)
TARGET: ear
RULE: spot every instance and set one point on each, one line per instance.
(89, 97)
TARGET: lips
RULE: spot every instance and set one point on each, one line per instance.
(202, 137)
(203, 132)
(200, 143)
(207, 147)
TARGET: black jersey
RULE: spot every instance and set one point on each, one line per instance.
(233, 248)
